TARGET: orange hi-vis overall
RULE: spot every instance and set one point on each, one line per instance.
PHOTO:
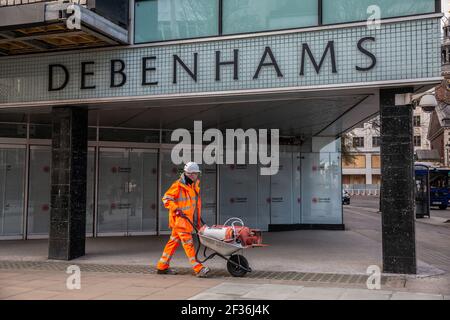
(186, 198)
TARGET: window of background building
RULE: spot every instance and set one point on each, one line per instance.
(358, 142)
(416, 121)
(376, 179)
(376, 141)
(357, 162)
(354, 179)
(261, 15)
(159, 20)
(417, 141)
(376, 162)
(340, 11)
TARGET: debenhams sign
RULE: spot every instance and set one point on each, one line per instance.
(186, 66)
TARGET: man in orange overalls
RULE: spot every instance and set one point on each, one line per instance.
(183, 197)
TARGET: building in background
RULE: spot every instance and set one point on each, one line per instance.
(363, 172)
(439, 129)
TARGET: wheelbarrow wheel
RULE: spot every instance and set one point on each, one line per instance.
(237, 271)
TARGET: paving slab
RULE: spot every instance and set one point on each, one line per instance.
(356, 294)
(236, 289)
(415, 296)
(217, 296)
(272, 292)
(34, 295)
(308, 293)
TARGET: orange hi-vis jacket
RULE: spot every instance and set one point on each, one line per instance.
(187, 199)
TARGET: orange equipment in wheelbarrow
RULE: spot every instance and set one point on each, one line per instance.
(239, 234)
(225, 241)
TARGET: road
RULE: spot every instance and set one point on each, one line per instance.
(432, 240)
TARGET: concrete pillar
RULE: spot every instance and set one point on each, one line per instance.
(68, 183)
(397, 182)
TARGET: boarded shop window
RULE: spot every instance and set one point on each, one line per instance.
(159, 20)
(354, 179)
(339, 11)
(376, 162)
(376, 179)
(262, 15)
(359, 162)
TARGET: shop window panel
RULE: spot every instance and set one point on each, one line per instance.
(11, 130)
(281, 210)
(113, 203)
(238, 193)
(208, 189)
(321, 188)
(169, 173)
(39, 191)
(263, 214)
(90, 180)
(12, 168)
(40, 131)
(142, 191)
(296, 181)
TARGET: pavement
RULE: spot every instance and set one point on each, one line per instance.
(297, 265)
(50, 285)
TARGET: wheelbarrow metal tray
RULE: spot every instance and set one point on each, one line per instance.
(224, 248)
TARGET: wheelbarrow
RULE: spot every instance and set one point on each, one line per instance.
(232, 252)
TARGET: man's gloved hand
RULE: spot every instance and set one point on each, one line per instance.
(178, 213)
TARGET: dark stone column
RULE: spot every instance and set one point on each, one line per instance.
(397, 184)
(68, 186)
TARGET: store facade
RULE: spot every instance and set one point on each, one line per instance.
(311, 70)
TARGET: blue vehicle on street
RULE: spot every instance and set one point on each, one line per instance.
(436, 181)
(439, 187)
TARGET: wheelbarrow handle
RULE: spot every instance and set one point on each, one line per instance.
(184, 216)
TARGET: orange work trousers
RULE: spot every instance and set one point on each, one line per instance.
(186, 240)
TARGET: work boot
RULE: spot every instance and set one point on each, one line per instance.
(203, 273)
(167, 271)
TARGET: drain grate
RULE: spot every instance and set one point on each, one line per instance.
(216, 273)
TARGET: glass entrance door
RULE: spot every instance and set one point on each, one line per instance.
(12, 173)
(39, 191)
(127, 191)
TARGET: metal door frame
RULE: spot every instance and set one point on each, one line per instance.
(25, 182)
(121, 147)
(33, 146)
(154, 151)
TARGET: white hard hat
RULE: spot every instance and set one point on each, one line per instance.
(191, 167)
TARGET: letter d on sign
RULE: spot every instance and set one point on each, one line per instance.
(74, 280)
(374, 280)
